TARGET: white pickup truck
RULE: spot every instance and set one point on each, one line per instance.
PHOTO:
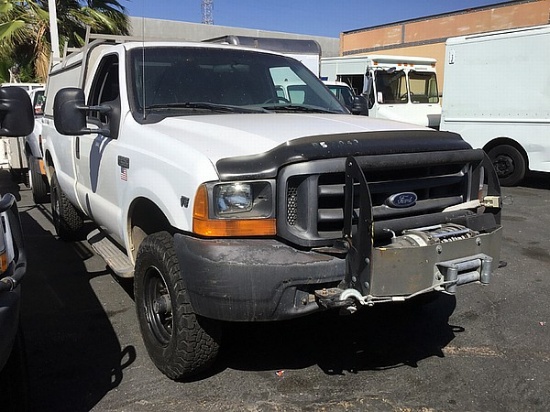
(227, 202)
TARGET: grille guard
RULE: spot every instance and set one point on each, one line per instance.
(355, 288)
(358, 260)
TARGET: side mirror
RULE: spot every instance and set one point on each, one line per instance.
(16, 116)
(69, 113)
(367, 86)
(360, 106)
(38, 105)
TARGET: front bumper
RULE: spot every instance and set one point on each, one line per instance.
(264, 279)
(253, 279)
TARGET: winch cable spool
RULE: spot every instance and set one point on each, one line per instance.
(445, 233)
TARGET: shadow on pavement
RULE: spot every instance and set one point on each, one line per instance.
(73, 354)
(536, 180)
(381, 337)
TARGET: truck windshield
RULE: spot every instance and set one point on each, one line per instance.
(196, 80)
(391, 87)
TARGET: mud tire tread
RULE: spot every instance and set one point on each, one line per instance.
(194, 343)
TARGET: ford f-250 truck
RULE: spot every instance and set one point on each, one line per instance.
(226, 202)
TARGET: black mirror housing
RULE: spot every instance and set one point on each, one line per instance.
(69, 112)
(360, 106)
(16, 115)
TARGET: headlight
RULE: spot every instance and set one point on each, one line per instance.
(233, 198)
(235, 209)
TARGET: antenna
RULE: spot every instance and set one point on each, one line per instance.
(207, 7)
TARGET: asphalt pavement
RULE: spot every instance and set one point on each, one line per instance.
(485, 349)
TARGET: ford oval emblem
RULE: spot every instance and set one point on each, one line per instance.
(402, 200)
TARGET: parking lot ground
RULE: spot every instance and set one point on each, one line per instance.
(485, 349)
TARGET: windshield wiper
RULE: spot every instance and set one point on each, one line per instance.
(215, 107)
(297, 108)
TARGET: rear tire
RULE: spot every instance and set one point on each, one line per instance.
(37, 182)
(179, 342)
(509, 163)
(66, 219)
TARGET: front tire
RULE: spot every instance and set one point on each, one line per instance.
(509, 163)
(179, 342)
(66, 219)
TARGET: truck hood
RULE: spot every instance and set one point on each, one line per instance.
(228, 135)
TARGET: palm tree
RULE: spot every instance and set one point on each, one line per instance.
(25, 35)
(12, 23)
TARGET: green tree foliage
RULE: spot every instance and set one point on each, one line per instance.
(25, 45)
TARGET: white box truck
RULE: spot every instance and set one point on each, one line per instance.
(400, 88)
(497, 96)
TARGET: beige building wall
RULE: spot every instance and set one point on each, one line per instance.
(426, 37)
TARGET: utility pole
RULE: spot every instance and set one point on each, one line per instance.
(207, 7)
(54, 35)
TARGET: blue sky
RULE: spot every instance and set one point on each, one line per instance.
(317, 18)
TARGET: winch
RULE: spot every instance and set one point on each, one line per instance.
(431, 235)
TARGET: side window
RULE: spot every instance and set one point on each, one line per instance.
(391, 87)
(105, 87)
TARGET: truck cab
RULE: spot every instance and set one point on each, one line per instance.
(399, 88)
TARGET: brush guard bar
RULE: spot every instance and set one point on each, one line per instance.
(357, 284)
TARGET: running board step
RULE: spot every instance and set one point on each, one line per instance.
(113, 256)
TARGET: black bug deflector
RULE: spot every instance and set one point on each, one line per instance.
(438, 257)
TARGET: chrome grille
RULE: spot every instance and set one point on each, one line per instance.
(313, 192)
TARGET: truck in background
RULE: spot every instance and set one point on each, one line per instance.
(343, 92)
(308, 52)
(13, 148)
(28, 87)
(497, 96)
(36, 178)
(400, 88)
(16, 119)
